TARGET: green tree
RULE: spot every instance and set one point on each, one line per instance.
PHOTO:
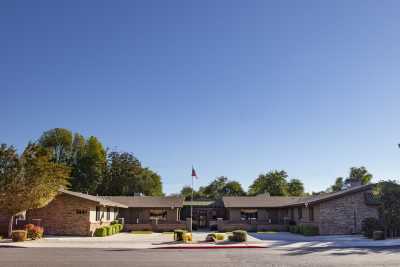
(222, 186)
(360, 175)
(122, 174)
(126, 176)
(387, 193)
(295, 187)
(233, 188)
(59, 142)
(88, 172)
(273, 182)
(30, 181)
(339, 185)
(149, 183)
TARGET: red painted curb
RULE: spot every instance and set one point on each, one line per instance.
(210, 247)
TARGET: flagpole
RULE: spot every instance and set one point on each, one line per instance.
(191, 206)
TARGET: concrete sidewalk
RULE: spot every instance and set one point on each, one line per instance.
(159, 240)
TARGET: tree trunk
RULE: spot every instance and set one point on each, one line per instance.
(10, 225)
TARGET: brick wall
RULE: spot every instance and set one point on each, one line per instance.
(60, 216)
(344, 215)
(4, 220)
(163, 227)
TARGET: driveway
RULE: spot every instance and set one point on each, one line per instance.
(285, 239)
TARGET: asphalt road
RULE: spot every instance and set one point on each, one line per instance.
(223, 257)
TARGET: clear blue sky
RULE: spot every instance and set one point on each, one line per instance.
(236, 88)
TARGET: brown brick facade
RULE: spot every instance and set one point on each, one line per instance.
(344, 215)
(67, 215)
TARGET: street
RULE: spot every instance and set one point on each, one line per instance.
(198, 257)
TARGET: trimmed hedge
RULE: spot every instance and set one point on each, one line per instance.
(215, 236)
(378, 235)
(304, 229)
(178, 235)
(238, 236)
(102, 231)
(108, 230)
(369, 225)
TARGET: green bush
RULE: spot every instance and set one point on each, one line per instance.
(304, 229)
(178, 235)
(238, 236)
(109, 230)
(114, 222)
(102, 231)
(215, 236)
(309, 230)
(369, 225)
(378, 235)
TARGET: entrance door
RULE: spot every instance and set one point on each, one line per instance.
(203, 219)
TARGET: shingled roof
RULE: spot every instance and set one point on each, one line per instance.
(261, 201)
(148, 201)
(264, 201)
(97, 199)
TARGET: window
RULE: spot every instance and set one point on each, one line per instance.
(311, 213)
(300, 212)
(108, 214)
(246, 215)
(97, 213)
(81, 212)
(158, 215)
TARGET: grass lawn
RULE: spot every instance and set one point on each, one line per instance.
(141, 232)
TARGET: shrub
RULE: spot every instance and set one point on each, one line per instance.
(114, 222)
(108, 229)
(215, 236)
(309, 230)
(19, 235)
(33, 231)
(369, 225)
(102, 231)
(378, 235)
(187, 237)
(238, 236)
(178, 235)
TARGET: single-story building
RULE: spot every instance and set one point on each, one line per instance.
(74, 213)
(333, 213)
(150, 213)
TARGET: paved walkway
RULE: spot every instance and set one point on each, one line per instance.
(159, 240)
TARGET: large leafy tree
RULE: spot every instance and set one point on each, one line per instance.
(222, 186)
(59, 142)
(273, 182)
(339, 185)
(360, 174)
(295, 187)
(388, 195)
(91, 163)
(149, 183)
(28, 181)
(126, 176)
